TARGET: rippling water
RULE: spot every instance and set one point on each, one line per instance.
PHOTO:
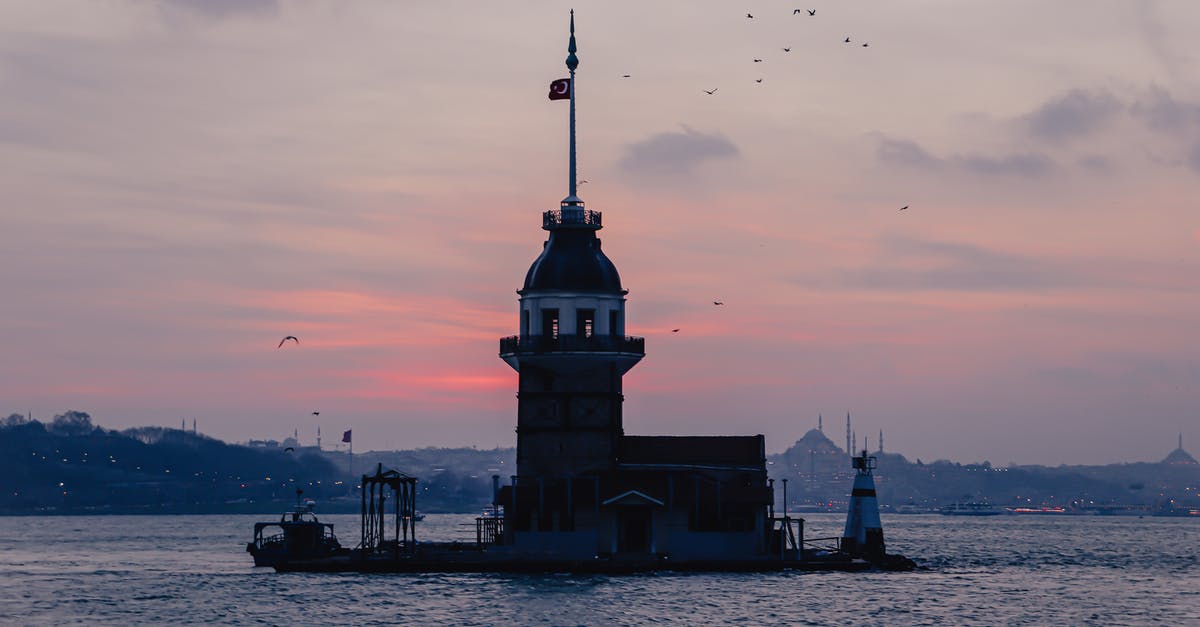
(998, 570)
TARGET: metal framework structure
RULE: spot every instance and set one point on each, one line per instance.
(375, 512)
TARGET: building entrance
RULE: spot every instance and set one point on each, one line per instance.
(633, 530)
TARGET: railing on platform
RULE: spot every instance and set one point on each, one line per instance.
(812, 543)
(573, 343)
(570, 216)
(489, 530)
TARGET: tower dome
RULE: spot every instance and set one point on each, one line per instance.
(571, 259)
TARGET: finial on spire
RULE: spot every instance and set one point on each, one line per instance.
(572, 60)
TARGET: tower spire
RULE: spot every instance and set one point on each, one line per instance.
(572, 63)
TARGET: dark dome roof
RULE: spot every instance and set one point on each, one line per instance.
(572, 260)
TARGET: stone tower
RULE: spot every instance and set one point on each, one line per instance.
(572, 350)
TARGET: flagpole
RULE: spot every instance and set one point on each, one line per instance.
(572, 63)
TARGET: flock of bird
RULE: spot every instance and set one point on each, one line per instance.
(750, 16)
(710, 92)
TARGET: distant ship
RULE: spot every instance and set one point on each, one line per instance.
(1038, 511)
(971, 509)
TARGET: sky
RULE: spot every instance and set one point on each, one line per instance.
(185, 182)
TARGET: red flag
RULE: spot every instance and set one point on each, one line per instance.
(560, 89)
(346, 435)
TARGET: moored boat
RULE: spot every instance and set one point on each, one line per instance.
(296, 535)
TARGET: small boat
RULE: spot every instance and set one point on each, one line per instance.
(417, 516)
(297, 534)
(971, 509)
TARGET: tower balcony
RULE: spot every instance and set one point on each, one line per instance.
(541, 344)
(570, 217)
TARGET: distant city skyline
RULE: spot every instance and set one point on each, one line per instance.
(188, 182)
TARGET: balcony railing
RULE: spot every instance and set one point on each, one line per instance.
(570, 216)
(573, 343)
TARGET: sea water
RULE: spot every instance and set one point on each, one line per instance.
(1037, 570)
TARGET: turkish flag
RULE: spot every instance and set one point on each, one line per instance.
(560, 89)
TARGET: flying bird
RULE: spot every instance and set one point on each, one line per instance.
(847, 40)
(749, 17)
(796, 12)
(674, 330)
(624, 76)
(316, 413)
(787, 49)
(904, 207)
(866, 44)
(714, 90)
(718, 302)
(286, 338)
(758, 80)
(758, 60)
(812, 12)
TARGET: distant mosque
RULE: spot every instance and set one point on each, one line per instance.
(1179, 457)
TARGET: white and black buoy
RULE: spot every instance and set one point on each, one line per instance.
(863, 537)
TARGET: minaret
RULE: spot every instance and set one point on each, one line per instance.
(820, 427)
(849, 444)
(881, 441)
(572, 350)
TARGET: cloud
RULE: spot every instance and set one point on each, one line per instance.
(907, 153)
(1154, 35)
(1076, 113)
(1029, 165)
(675, 154)
(912, 264)
(1162, 112)
(1095, 163)
(223, 9)
(1194, 158)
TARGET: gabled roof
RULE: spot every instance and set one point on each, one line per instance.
(633, 497)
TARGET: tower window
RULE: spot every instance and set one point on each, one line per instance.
(550, 323)
(585, 322)
(614, 322)
(524, 323)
